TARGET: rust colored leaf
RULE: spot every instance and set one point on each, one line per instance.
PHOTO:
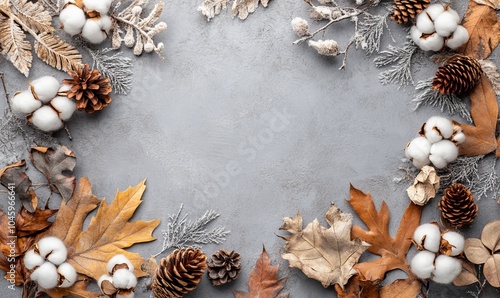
(480, 137)
(481, 22)
(14, 175)
(325, 254)
(57, 165)
(357, 288)
(468, 275)
(401, 288)
(263, 281)
(31, 223)
(392, 250)
(107, 234)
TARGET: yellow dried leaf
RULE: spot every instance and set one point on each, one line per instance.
(14, 45)
(56, 52)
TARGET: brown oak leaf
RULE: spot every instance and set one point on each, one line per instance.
(108, 232)
(327, 255)
(495, 4)
(392, 250)
(15, 175)
(357, 288)
(263, 281)
(482, 23)
(57, 165)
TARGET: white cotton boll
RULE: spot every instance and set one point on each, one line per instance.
(457, 242)
(418, 151)
(438, 128)
(24, 102)
(445, 24)
(106, 23)
(32, 259)
(46, 276)
(438, 161)
(445, 149)
(422, 264)
(124, 279)
(68, 272)
(117, 260)
(420, 163)
(64, 88)
(424, 23)
(72, 19)
(45, 88)
(92, 32)
(458, 38)
(65, 106)
(458, 137)
(46, 119)
(428, 236)
(434, 42)
(434, 10)
(102, 6)
(52, 248)
(446, 269)
(300, 26)
(103, 278)
(455, 15)
(415, 34)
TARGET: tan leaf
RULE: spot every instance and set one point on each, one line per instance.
(57, 165)
(14, 45)
(212, 8)
(491, 71)
(327, 255)
(56, 52)
(149, 266)
(482, 24)
(33, 14)
(480, 137)
(424, 187)
(475, 251)
(491, 270)
(491, 236)
(14, 175)
(243, 8)
(495, 4)
(263, 281)
(107, 234)
(401, 288)
(391, 249)
(468, 275)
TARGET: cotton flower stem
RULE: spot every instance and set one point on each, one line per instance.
(70, 137)
(2, 78)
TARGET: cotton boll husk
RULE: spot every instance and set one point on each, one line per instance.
(415, 34)
(445, 149)
(445, 24)
(69, 273)
(456, 240)
(437, 128)
(117, 260)
(103, 278)
(300, 26)
(72, 18)
(434, 10)
(446, 269)
(458, 38)
(424, 23)
(24, 102)
(65, 106)
(92, 32)
(102, 6)
(32, 259)
(422, 264)
(434, 42)
(52, 248)
(46, 276)
(124, 279)
(45, 88)
(428, 236)
(46, 119)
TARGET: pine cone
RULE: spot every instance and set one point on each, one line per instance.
(459, 75)
(224, 267)
(90, 90)
(457, 205)
(405, 11)
(179, 273)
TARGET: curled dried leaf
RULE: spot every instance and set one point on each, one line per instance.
(424, 187)
(14, 175)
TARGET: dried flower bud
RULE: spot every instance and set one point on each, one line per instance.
(300, 26)
(325, 47)
(319, 13)
(424, 187)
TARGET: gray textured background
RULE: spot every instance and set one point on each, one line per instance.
(218, 90)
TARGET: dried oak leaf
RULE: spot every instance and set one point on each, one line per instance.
(242, 8)
(263, 281)
(491, 71)
(486, 251)
(481, 22)
(57, 165)
(480, 137)
(495, 4)
(392, 250)
(14, 175)
(357, 288)
(107, 234)
(327, 255)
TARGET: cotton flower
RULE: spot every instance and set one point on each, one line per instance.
(434, 10)
(24, 102)
(427, 236)
(72, 19)
(445, 24)
(32, 259)
(438, 128)
(46, 119)
(442, 153)
(456, 241)
(458, 38)
(53, 249)
(124, 279)
(425, 24)
(101, 6)
(418, 150)
(433, 42)
(422, 264)
(446, 269)
(119, 261)
(92, 31)
(325, 47)
(300, 26)
(46, 276)
(64, 106)
(68, 275)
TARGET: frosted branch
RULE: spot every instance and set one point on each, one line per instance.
(400, 58)
(370, 32)
(116, 67)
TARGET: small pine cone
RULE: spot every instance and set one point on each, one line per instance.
(89, 89)
(224, 267)
(457, 205)
(405, 11)
(459, 75)
(179, 273)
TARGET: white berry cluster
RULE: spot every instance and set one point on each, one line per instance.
(121, 278)
(437, 143)
(44, 108)
(436, 260)
(88, 18)
(437, 26)
(48, 262)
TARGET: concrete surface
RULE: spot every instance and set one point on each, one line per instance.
(237, 119)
